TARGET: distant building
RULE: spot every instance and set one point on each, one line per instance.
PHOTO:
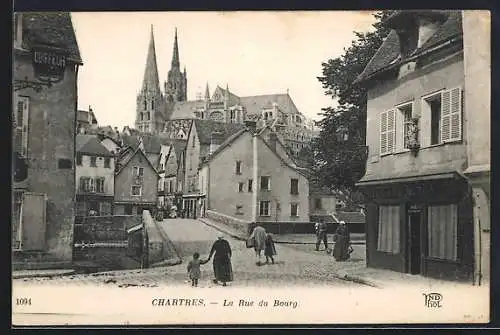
(85, 120)
(136, 182)
(171, 172)
(422, 140)
(44, 121)
(251, 179)
(95, 179)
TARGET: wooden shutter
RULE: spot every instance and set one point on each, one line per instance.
(445, 116)
(456, 114)
(21, 126)
(387, 131)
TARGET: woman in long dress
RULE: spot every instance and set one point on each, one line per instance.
(342, 243)
(259, 241)
(223, 271)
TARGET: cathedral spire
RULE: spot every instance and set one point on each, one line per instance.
(151, 79)
(175, 54)
(207, 93)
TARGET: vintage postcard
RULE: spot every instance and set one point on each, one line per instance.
(219, 168)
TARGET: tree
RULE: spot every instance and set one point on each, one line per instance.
(339, 152)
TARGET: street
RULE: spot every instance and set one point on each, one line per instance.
(293, 266)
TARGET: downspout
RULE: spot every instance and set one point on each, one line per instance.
(74, 158)
(255, 176)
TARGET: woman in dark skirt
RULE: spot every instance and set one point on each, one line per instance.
(269, 250)
(223, 271)
(341, 251)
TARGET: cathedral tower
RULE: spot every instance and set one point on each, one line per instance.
(149, 117)
(176, 84)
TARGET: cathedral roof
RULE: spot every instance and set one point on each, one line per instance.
(185, 109)
(254, 104)
(53, 29)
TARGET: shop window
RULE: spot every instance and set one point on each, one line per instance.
(388, 229)
(442, 232)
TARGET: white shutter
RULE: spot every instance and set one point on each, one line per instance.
(383, 133)
(456, 114)
(391, 130)
(21, 119)
(445, 116)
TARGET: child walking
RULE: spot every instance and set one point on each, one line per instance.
(193, 268)
(269, 250)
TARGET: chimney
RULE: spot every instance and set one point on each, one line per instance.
(273, 138)
(216, 140)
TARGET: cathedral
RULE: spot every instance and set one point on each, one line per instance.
(170, 112)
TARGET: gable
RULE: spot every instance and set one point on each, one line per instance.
(136, 156)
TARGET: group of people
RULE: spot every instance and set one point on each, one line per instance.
(260, 240)
(342, 249)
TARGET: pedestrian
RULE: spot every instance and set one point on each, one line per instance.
(269, 250)
(259, 241)
(342, 248)
(321, 235)
(223, 271)
(193, 268)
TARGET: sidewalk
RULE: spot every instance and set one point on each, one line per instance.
(17, 274)
(350, 271)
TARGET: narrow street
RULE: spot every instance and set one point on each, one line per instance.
(292, 266)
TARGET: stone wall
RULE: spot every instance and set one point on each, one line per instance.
(105, 228)
(240, 226)
(154, 238)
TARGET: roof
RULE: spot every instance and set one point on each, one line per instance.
(152, 142)
(233, 98)
(205, 128)
(89, 144)
(83, 116)
(389, 51)
(254, 104)
(124, 159)
(51, 29)
(185, 109)
(350, 217)
(179, 147)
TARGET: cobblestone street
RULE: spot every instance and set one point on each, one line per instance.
(293, 266)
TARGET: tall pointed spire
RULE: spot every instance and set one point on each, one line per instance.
(207, 93)
(175, 54)
(151, 79)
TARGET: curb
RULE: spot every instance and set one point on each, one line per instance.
(38, 275)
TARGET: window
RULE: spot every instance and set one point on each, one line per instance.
(387, 132)
(93, 161)
(240, 187)
(238, 167)
(442, 227)
(152, 104)
(21, 126)
(294, 209)
(388, 229)
(136, 190)
(161, 185)
(265, 183)
(232, 116)
(105, 208)
(91, 185)
(138, 171)
(99, 185)
(171, 186)
(264, 208)
(148, 116)
(128, 209)
(294, 186)
(445, 112)
(317, 203)
(64, 163)
(107, 161)
(78, 159)
(404, 125)
(145, 104)
(250, 185)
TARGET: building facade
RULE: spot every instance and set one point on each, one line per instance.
(136, 183)
(246, 178)
(419, 203)
(44, 122)
(95, 178)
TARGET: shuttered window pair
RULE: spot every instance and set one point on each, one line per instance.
(88, 184)
(449, 119)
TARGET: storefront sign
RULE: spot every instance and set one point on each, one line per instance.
(49, 65)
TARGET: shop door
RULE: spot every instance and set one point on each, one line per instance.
(414, 257)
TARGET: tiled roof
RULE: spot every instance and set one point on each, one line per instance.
(124, 159)
(88, 144)
(233, 98)
(152, 142)
(52, 29)
(254, 104)
(205, 128)
(389, 51)
(350, 217)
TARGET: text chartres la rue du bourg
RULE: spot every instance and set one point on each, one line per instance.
(183, 302)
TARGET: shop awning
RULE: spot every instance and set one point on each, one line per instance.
(409, 177)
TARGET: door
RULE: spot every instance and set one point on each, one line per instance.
(33, 223)
(414, 240)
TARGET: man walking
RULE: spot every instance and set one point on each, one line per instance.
(321, 235)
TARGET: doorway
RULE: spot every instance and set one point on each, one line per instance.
(414, 240)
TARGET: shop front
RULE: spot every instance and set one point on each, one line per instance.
(421, 225)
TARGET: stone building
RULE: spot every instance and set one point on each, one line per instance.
(420, 213)
(95, 177)
(44, 121)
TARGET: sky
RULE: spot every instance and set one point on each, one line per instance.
(252, 52)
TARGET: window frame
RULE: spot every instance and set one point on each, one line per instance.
(387, 132)
(378, 233)
(250, 185)
(132, 190)
(457, 235)
(268, 183)
(238, 167)
(93, 161)
(22, 126)
(241, 187)
(268, 209)
(292, 188)
(400, 126)
(296, 204)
